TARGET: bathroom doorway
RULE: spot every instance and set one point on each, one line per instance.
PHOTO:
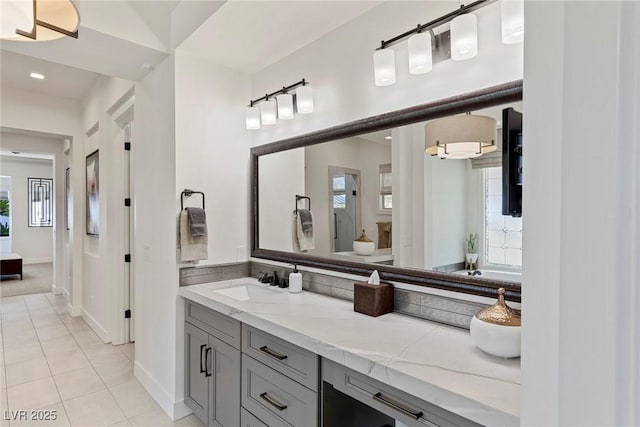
(344, 203)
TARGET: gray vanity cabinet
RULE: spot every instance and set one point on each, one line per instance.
(212, 371)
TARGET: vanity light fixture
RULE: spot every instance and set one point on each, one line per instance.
(460, 42)
(268, 112)
(38, 20)
(460, 137)
(420, 59)
(279, 105)
(512, 14)
(464, 37)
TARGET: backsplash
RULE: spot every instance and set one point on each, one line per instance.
(439, 309)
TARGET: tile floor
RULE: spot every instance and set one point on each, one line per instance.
(52, 361)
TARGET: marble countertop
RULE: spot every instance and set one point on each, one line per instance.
(434, 362)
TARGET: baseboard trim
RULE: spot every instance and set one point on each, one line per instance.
(66, 294)
(174, 410)
(56, 290)
(74, 311)
(96, 326)
(37, 260)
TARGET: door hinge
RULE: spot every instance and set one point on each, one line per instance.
(127, 258)
(127, 146)
(355, 193)
(127, 314)
(127, 202)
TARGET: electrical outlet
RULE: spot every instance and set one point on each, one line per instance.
(241, 254)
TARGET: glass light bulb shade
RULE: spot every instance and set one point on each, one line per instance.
(464, 37)
(252, 117)
(61, 13)
(384, 67)
(304, 99)
(285, 106)
(460, 137)
(268, 112)
(420, 60)
(15, 15)
(512, 21)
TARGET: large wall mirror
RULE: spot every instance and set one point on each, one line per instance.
(373, 178)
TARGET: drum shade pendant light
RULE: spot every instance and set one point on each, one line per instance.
(420, 60)
(384, 67)
(279, 105)
(464, 37)
(512, 21)
(460, 137)
(38, 20)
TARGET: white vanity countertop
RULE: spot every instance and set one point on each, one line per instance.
(436, 363)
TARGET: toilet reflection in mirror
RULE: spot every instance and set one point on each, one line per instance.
(417, 209)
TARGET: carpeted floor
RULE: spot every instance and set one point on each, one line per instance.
(37, 278)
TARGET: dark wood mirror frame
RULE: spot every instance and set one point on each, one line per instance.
(489, 97)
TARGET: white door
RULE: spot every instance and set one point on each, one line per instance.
(128, 233)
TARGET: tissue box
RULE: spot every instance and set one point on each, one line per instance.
(372, 300)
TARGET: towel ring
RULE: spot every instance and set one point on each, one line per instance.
(298, 198)
(189, 193)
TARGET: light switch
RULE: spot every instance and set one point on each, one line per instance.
(146, 253)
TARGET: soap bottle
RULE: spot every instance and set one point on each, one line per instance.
(295, 281)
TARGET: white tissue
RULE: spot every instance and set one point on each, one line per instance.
(374, 279)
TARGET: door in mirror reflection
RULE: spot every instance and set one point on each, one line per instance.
(344, 190)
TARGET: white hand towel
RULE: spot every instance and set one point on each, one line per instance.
(303, 241)
(190, 248)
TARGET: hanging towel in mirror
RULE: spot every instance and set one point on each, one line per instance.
(190, 248)
(197, 222)
(303, 235)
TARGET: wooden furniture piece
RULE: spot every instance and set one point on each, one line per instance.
(11, 264)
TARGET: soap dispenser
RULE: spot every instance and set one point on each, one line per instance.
(295, 281)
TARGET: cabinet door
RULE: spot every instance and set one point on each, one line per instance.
(196, 381)
(224, 363)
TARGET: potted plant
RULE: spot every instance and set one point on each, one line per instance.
(472, 251)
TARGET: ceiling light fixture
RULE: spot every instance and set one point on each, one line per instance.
(38, 20)
(460, 137)
(37, 76)
(460, 42)
(280, 105)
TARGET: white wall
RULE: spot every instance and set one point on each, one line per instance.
(42, 114)
(34, 244)
(580, 305)
(281, 177)
(340, 68)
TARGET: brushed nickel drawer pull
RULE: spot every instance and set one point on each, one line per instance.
(397, 406)
(272, 353)
(271, 401)
(201, 358)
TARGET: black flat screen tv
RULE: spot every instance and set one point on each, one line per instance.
(511, 162)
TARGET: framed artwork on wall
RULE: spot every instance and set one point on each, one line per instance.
(68, 207)
(93, 194)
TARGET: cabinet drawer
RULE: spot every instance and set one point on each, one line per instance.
(297, 363)
(220, 326)
(397, 404)
(248, 420)
(276, 399)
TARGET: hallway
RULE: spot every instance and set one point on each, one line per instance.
(53, 362)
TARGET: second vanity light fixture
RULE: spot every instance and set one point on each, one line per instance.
(459, 43)
(280, 105)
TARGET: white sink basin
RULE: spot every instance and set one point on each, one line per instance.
(246, 291)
